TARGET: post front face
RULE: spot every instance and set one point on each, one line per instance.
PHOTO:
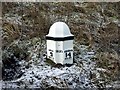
(68, 52)
(51, 47)
(59, 52)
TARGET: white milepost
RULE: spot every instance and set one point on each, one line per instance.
(60, 43)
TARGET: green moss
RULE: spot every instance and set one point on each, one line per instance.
(50, 62)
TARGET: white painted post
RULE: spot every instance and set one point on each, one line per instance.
(60, 44)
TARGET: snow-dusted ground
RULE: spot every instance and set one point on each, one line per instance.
(39, 74)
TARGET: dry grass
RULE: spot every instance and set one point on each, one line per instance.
(109, 61)
(10, 33)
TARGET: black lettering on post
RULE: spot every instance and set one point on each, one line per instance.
(51, 54)
(67, 55)
(59, 51)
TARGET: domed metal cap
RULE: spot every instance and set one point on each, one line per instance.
(59, 30)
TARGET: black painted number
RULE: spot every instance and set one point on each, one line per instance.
(68, 54)
(51, 54)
